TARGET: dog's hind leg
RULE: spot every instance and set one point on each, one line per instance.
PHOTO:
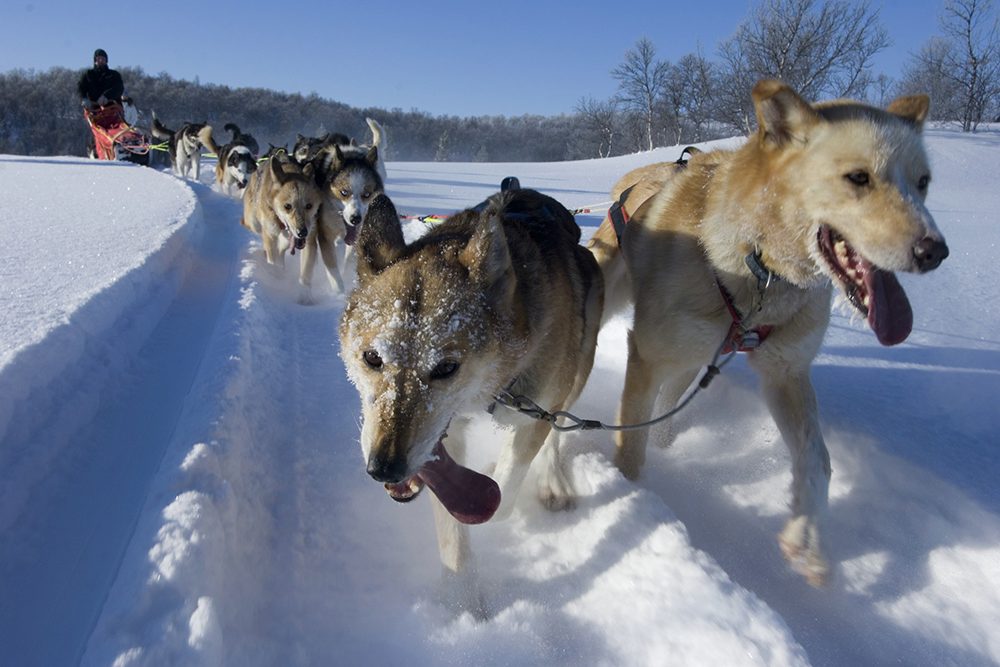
(643, 380)
(792, 402)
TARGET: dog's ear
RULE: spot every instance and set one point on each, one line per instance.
(371, 157)
(380, 241)
(277, 172)
(338, 158)
(782, 116)
(912, 109)
(487, 258)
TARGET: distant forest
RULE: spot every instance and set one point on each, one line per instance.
(824, 49)
(42, 116)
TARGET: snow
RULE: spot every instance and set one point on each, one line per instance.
(181, 481)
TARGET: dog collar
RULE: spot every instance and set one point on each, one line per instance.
(764, 275)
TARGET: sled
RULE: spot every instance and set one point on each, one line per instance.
(114, 138)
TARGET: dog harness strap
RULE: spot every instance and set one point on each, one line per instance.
(618, 215)
(739, 337)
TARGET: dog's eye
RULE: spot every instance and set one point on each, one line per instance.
(924, 181)
(858, 177)
(288, 207)
(309, 207)
(444, 369)
(372, 359)
(366, 194)
(345, 193)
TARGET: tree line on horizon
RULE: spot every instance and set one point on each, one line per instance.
(823, 49)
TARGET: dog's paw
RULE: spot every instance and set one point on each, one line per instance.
(799, 543)
(306, 297)
(555, 491)
(556, 502)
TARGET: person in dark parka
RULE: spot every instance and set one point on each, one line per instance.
(101, 84)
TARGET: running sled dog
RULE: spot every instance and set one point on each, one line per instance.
(739, 249)
(282, 205)
(237, 160)
(498, 297)
(184, 145)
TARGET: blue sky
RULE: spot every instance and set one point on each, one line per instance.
(446, 58)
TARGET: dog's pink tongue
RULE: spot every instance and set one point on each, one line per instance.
(471, 497)
(889, 312)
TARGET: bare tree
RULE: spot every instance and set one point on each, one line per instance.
(599, 119)
(699, 81)
(821, 49)
(640, 84)
(973, 59)
(928, 72)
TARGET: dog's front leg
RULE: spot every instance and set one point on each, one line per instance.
(461, 581)
(555, 488)
(329, 252)
(514, 461)
(306, 266)
(792, 402)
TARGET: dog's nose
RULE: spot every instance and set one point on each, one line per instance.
(302, 233)
(356, 219)
(386, 467)
(929, 253)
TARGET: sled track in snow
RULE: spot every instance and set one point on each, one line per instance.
(89, 452)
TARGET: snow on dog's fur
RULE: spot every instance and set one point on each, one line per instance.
(497, 297)
(827, 193)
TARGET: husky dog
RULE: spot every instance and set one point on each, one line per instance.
(184, 146)
(349, 184)
(236, 160)
(306, 148)
(282, 204)
(310, 149)
(496, 298)
(350, 181)
(743, 245)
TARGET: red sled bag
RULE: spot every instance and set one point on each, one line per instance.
(113, 137)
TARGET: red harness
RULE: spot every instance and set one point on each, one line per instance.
(739, 338)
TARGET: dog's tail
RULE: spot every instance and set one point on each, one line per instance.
(604, 246)
(234, 129)
(206, 139)
(378, 136)
(159, 130)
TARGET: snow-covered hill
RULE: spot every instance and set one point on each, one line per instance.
(181, 484)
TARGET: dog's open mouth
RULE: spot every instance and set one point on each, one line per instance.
(875, 292)
(469, 496)
(352, 233)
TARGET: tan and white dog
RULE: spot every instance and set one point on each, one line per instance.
(743, 245)
(500, 297)
(282, 204)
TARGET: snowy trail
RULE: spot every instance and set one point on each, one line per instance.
(73, 507)
(180, 464)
